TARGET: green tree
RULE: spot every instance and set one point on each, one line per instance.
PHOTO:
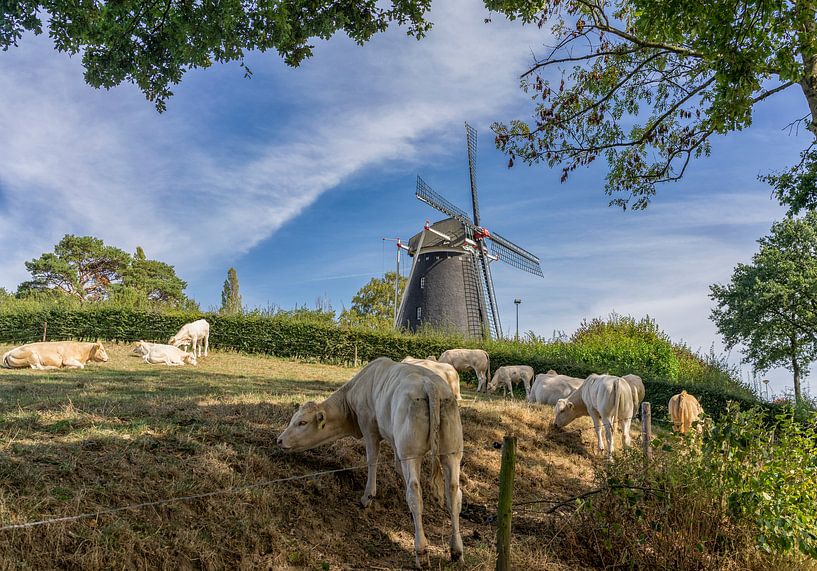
(80, 266)
(153, 44)
(646, 84)
(156, 281)
(770, 305)
(230, 296)
(373, 304)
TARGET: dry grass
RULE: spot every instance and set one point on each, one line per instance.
(125, 432)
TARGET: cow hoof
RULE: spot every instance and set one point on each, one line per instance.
(365, 501)
(456, 556)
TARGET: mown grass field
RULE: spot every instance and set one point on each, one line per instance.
(125, 432)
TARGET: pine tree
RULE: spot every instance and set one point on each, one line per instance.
(230, 297)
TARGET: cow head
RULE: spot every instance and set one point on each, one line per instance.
(99, 354)
(307, 429)
(190, 359)
(564, 413)
(141, 348)
(494, 383)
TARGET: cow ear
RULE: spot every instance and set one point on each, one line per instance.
(321, 418)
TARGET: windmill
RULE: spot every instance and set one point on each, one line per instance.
(450, 284)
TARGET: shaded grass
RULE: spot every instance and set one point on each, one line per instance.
(125, 432)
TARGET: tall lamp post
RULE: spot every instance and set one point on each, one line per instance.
(517, 301)
(766, 382)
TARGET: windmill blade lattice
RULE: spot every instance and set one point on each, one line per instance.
(471, 139)
(515, 256)
(436, 200)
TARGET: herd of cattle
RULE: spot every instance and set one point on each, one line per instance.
(412, 405)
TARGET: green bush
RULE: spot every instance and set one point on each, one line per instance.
(741, 496)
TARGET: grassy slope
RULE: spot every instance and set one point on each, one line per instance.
(125, 432)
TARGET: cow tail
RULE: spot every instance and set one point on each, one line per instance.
(617, 391)
(437, 486)
(683, 412)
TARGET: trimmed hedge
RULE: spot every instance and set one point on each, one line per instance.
(302, 338)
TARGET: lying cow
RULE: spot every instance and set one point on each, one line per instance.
(684, 409)
(196, 334)
(447, 372)
(54, 355)
(413, 410)
(509, 374)
(549, 387)
(606, 399)
(465, 359)
(159, 354)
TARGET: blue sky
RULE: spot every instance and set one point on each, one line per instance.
(294, 176)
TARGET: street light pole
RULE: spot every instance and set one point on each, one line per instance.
(516, 302)
(766, 382)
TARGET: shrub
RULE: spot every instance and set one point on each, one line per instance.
(742, 496)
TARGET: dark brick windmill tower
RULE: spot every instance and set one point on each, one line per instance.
(450, 285)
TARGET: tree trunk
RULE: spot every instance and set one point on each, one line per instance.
(809, 81)
(795, 369)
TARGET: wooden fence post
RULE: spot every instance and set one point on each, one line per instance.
(503, 513)
(45, 329)
(646, 429)
(356, 361)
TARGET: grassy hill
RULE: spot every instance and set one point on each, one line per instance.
(125, 432)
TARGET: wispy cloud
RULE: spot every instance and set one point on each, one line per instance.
(75, 160)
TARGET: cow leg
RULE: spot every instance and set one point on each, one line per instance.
(481, 381)
(372, 442)
(414, 498)
(453, 498)
(626, 441)
(510, 388)
(72, 364)
(608, 436)
(597, 427)
(526, 381)
(206, 344)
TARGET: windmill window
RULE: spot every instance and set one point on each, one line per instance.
(419, 313)
(422, 282)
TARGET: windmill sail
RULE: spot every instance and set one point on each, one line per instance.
(465, 295)
(471, 140)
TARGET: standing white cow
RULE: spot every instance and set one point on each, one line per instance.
(413, 410)
(447, 372)
(607, 399)
(509, 374)
(465, 359)
(684, 409)
(637, 386)
(549, 387)
(196, 334)
(159, 354)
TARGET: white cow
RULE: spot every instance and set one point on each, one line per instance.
(196, 334)
(447, 372)
(465, 359)
(159, 354)
(549, 387)
(54, 355)
(684, 409)
(637, 386)
(509, 374)
(607, 399)
(413, 410)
